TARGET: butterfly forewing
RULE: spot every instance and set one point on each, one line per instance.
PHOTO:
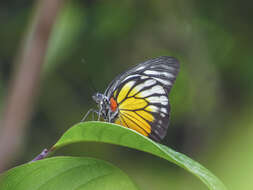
(141, 94)
(163, 69)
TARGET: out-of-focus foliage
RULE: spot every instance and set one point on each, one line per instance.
(65, 35)
(93, 41)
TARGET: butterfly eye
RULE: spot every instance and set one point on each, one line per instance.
(98, 97)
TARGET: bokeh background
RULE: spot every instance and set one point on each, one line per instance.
(93, 41)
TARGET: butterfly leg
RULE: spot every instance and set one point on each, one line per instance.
(99, 114)
(88, 113)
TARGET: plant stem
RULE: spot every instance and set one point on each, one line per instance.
(41, 156)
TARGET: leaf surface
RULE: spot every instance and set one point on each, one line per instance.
(95, 131)
(65, 173)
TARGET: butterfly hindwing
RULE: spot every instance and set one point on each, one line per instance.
(142, 93)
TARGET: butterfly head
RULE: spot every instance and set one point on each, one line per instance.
(102, 102)
(99, 98)
(107, 108)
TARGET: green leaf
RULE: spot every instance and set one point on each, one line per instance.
(95, 131)
(65, 173)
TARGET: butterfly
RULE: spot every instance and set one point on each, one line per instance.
(138, 98)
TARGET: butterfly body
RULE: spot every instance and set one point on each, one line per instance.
(138, 98)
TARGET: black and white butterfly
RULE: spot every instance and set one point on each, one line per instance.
(138, 98)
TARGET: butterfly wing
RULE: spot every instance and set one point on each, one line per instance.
(141, 94)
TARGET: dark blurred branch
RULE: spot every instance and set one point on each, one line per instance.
(25, 82)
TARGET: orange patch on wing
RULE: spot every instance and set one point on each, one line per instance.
(114, 104)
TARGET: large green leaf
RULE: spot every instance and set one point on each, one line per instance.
(114, 134)
(65, 173)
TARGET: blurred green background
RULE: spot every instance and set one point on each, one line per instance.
(94, 40)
